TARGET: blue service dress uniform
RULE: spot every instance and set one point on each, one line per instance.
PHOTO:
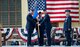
(41, 28)
(67, 30)
(30, 27)
(48, 27)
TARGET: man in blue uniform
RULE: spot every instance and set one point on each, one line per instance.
(67, 27)
(48, 27)
(30, 26)
(41, 29)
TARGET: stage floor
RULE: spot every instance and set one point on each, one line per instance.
(39, 46)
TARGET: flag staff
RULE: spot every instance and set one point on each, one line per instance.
(35, 15)
(38, 30)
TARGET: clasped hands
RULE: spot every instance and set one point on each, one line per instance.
(38, 24)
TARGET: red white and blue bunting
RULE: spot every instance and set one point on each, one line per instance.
(79, 30)
(24, 33)
(8, 32)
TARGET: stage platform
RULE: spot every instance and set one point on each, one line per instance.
(40, 46)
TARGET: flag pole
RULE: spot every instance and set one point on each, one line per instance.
(35, 16)
(38, 30)
(38, 26)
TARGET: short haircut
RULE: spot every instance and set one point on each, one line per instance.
(39, 12)
(67, 10)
